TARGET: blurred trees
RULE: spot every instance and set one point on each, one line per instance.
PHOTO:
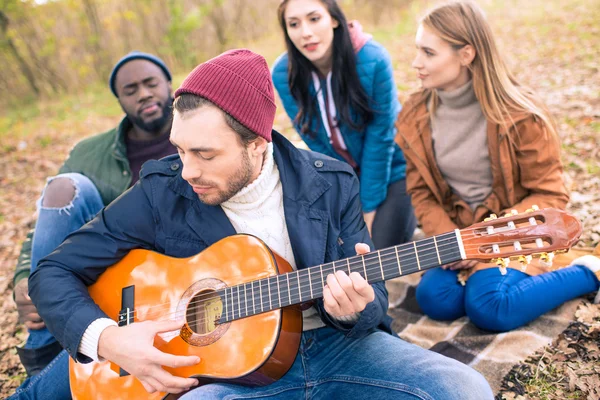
(53, 46)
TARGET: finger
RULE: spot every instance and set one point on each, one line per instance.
(154, 384)
(339, 294)
(167, 325)
(331, 306)
(170, 383)
(171, 360)
(357, 300)
(34, 317)
(34, 325)
(362, 248)
(362, 287)
(149, 388)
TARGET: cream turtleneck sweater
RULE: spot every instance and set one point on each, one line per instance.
(459, 133)
(258, 210)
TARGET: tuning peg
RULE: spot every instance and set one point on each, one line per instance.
(507, 215)
(502, 263)
(491, 217)
(535, 207)
(524, 261)
(514, 212)
(546, 259)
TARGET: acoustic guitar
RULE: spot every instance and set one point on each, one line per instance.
(241, 302)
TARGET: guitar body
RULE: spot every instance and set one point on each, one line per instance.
(255, 350)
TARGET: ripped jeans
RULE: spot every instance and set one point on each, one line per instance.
(54, 225)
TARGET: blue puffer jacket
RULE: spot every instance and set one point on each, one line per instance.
(380, 160)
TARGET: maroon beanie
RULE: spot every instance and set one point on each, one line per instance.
(239, 83)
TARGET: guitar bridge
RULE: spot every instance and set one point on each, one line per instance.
(126, 315)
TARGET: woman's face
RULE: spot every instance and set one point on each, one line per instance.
(310, 28)
(438, 65)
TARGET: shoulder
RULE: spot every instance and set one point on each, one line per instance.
(166, 167)
(373, 52)
(325, 164)
(96, 143)
(280, 67)
(412, 108)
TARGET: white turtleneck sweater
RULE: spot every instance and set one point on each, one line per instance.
(257, 209)
(460, 144)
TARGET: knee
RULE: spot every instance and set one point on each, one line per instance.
(473, 385)
(59, 193)
(438, 300)
(457, 381)
(492, 315)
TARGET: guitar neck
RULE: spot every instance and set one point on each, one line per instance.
(303, 285)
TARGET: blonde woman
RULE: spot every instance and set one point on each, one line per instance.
(477, 143)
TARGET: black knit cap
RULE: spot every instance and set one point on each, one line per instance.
(136, 55)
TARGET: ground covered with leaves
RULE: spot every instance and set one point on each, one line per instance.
(568, 369)
(552, 46)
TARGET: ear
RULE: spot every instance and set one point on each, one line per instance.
(258, 147)
(467, 55)
(335, 23)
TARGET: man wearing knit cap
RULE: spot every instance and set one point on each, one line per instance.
(234, 174)
(97, 171)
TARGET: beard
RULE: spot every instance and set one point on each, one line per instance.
(235, 182)
(158, 124)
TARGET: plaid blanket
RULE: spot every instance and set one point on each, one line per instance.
(491, 354)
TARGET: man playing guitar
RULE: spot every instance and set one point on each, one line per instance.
(234, 174)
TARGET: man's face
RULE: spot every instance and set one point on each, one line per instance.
(215, 163)
(145, 95)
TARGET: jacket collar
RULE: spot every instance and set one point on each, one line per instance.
(119, 147)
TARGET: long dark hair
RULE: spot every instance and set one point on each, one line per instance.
(348, 93)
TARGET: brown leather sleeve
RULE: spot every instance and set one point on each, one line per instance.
(538, 157)
(431, 215)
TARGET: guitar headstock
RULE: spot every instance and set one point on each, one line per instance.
(534, 233)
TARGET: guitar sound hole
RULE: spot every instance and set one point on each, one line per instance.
(203, 310)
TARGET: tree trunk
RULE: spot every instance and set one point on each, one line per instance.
(25, 70)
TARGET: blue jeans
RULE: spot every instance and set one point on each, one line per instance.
(54, 225)
(378, 366)
(50, 384)
(497, 302)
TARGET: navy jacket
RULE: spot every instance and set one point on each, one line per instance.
(380, 160)
(163, 214)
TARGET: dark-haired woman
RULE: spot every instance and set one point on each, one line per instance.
(337, 86)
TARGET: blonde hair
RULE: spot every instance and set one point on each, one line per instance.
(463, 23)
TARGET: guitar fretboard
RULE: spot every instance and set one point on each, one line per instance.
(303, 285)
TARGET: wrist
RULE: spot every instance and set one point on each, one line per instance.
(105, 342)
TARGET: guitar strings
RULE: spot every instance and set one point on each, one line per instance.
(246, 302)
(372, 268)
(368, 258)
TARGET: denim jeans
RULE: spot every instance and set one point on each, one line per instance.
(54, 225)
(50, 384)
(497, 302)
(378, 366)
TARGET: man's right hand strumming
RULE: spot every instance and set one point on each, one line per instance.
(131, 348)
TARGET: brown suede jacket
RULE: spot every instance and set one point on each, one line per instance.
(526, 170)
